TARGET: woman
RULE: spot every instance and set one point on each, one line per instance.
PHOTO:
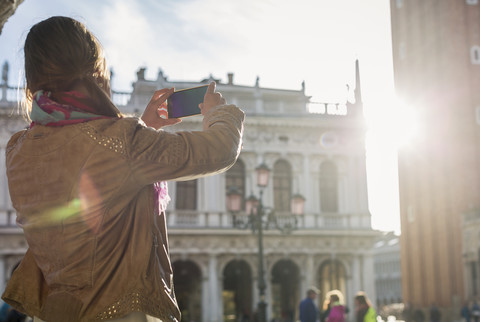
(337, 309)
(364, 312)
(87, 184)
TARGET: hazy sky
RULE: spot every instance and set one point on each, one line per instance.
(283, 42)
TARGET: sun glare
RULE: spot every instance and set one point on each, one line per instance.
(390, 127)
(396, 125)
(405, 125)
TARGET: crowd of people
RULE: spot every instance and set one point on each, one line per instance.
(334, 308)
(470, 312)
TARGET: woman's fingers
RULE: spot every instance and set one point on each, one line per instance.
(161, 94)
(211, 99)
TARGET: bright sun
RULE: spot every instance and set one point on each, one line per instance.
(390, 128)
(396, 125)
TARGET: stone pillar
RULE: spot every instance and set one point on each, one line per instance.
(342, 189)
(351, 290)
(310, 279)
(208, 201)
(4, 197)
(268, 289)
(3, 275)
(368, 277)
(309, 193)
(206, 313)
(255, 297)
(357, 284)
(214, 291)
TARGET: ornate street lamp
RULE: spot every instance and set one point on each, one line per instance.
(297, 204)
(260, 218)
(234, 200)
(263, 174)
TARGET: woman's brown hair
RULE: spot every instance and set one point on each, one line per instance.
(362, 299)
(60, 53)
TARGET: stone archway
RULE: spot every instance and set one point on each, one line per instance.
(187, 280)
(237, 291)
(332, 276)
(285, 293)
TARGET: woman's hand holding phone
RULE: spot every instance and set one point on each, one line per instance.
(152, 116)
(155, 112)
(211, 99)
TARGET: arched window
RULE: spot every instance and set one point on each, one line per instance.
(328, 187)
(282, 185)
(237, 291)
(332, 276)
(285, 292)
(186, 195)
(187, 280)
(235, 177)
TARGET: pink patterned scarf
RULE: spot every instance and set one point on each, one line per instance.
(67, 108)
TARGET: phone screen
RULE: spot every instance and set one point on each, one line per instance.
(185, 102)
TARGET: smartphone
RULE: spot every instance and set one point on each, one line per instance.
(185, 101)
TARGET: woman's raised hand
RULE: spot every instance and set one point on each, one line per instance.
(211, 99)
(151, 115)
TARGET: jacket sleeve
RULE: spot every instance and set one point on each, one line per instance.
(159, 155)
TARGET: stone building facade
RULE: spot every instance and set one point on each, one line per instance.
(471, 253)
(388, 274)
(319, 155)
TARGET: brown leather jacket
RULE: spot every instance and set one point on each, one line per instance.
(85, 200)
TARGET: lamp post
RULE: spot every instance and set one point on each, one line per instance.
(260, 218)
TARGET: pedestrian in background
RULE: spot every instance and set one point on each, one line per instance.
(308, 308)
(364, 312)
(475, 312)
(435, 314)
(465, 312)
(337, 307)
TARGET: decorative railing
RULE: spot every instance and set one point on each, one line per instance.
(179, 219)
(190, 219)
(9, 94)
(328, 108)
(8, 219)
(12, 95)
(121, 98)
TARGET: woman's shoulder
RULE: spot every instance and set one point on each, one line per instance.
(17, 137)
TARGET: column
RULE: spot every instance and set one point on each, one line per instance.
(255, 297)
(202, 192)
(369, 277)
(357, 284)
(309, 276)
(351, 289)
(344, 184)
(214, 293)
(3, 276)
(363, 193)
(268, 289)
(172, 192)
(307, 188)
(206, 313)
(208, 201)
